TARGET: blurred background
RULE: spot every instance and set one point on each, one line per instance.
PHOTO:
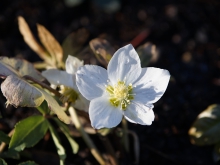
(186, 34)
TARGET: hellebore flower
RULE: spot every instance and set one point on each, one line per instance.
(124, 89)
(67, 82)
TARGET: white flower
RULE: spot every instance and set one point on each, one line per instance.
(123, 89)
(67, 81)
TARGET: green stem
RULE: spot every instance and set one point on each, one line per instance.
(3, 145)
(60, 150)
(125, 134)
(85, 136)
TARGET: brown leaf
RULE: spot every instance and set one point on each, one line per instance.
(74, 42)
(6, 70)
(23, 67)
(50, 43)
(102, 49)
(147, 53)
(20, 93)
(30, 40)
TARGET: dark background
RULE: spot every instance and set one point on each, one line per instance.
(187, 35)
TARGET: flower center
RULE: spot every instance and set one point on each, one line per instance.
(120, 94)
(68, 94)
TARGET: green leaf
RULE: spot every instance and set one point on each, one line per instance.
(2, 162)
(65, 130)
(10, 154)
(28, 163)
(23, 67)
(102, 49)
(28, 132)
(60, 150)
(4, 137)
(55, 107)
(19, 92)
(147, 53)
(43, 108)
(206, 129)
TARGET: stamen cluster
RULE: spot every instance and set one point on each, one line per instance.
(120, 94)
(68, 95)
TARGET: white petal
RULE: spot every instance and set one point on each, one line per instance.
(91, 81)
(124, 65)
(139, 113)
(102, 114)
(58, 77)
(151, 85)
(72, 64)
(81, 103)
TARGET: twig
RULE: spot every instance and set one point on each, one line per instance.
(125, 135)
(85, 136)
(3, 145)
(140, 37)
(109, 149)
(43, 85)
(136, 146)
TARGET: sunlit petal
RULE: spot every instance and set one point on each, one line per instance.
(124, 65)
(91, 81)
(151, 85)
(139, 113)
(104, 115)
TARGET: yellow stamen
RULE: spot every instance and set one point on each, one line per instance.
(120, 94)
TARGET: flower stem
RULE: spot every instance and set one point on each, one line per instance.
(3, 145)
(125, 134)
(85, 136)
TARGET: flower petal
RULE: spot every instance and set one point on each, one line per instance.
(72, 64)
(81, 103)
(91, 81)
(102, 114)
(124, 65)
(139, 113)
(58, 77)
(151, 85)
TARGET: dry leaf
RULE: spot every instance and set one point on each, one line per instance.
(55, 107)
(74, 42)
(20, 93)
(102, 49)
(50, 43)
(23, 67)
(30, 40)
(6, 70)
(147, 53)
